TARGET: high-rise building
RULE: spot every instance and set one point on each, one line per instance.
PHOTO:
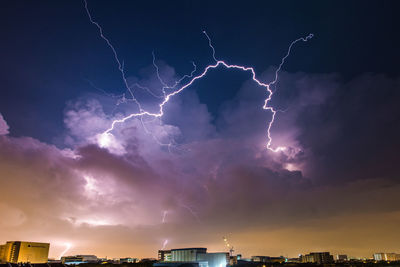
(24, 252)
(317, 257)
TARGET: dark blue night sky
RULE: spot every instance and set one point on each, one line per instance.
(50, 50)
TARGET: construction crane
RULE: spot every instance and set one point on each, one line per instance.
(231, 250)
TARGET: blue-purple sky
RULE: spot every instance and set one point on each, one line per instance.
(334, 188)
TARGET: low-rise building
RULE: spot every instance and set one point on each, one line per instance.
(78, 259)
(181, 264)
(128, 260)
(197, 257)
(268, 259)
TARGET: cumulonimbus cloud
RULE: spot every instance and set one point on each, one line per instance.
(219, 179)
(3, 126)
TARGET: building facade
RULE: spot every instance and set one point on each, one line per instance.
(216, 259)
(341, 257)
(164, 255)
(187, 254)
(24, 252)
(268, 259)
(128, 260)
(181, 264)
(191, 257)
(386, 257)
(2, 251)
(317, 257)
(78, 259)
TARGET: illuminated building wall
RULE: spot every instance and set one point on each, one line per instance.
(2, 251)
(217, 259)
(17, 251)
(386, 257)
(164, 255)
(77, 259)
(341, 257)
(392, 257)
(379, 256)
(192, 256)
(187, 254)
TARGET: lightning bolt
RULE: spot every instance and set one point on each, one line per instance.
(191, 211)
(178, 87)
(165, 212)
(164, 244)
(67, 247)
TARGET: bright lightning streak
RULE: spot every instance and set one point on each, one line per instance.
(120, 65)
(210, 45)
(67, 247)
(167, 97)
(164, 216)
(163, 221)
(191, 212)
(164, 244)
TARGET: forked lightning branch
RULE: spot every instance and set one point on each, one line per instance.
(187, 80)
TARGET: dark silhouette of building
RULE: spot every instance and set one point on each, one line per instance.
(268, 259)
(317, 257)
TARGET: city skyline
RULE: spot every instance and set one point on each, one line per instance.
(267, 127)
(37, 252)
